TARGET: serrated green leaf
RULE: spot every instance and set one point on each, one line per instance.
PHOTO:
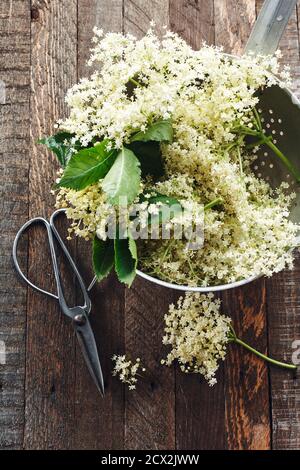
(57, 143)
(124, 177)
(103, 257)
(87, 167)
(160, 131)
(156, 197)
(133, 250)
(126, 259)
(149, 155)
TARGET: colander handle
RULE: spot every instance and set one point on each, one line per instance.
(269, 26)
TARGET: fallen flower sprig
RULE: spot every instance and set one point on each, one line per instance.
(126, 370)
(198, 335)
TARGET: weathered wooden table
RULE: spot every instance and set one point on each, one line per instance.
(47, 399)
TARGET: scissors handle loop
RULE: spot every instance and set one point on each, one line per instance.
(52, 233)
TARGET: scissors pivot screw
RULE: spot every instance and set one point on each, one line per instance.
(80, 319)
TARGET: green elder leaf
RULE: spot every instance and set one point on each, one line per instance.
(126, 259)
(60, 144)
(103, 257)
(149, 155)
(160, 131)
(156, 197)
(124, 177)
(87, 167)
(170, 207)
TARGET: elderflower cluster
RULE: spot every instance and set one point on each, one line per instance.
(91, 213)
(126, 370)
(204, 91)
(207, 95)
(248, 235)
(87, 209)
(198, 335)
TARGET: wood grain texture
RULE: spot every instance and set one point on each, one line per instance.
(14, 139)
(100, 421)
(247, 414)
(50, 364)
(139, 13)
(284, 329)
(193, 20)
(150, 409)
(283, 301)
(233, 22)
(105, 14)
(200, 413)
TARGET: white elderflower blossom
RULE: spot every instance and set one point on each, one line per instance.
(126, 370)
(198, 335)
(201, 90)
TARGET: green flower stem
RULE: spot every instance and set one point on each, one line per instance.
(284, 160)
(246, 130)
(257, 119)
(267, 140)
(191, 267)
(170, 244)
(263, 140)
(134, 82)
(213, 203)
(240, 160)
(263, 356)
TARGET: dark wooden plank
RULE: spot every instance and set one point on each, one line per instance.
(193, 21)
(233, 20)
(246, 380)
(139, 13)
(199, 408)
(50, 361)
(103, 429)
(200, 412)
(283, 302)
(14, 124)
(105, 14)
(150, 410)
(247, 415)
(284, 327)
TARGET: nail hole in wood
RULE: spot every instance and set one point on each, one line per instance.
(34, 14)
(52, 392)
(153, 386)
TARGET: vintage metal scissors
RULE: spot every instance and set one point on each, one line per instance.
(78, 314)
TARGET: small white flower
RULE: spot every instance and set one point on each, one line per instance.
(126, 370)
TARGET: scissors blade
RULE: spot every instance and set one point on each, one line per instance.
(89, 350)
